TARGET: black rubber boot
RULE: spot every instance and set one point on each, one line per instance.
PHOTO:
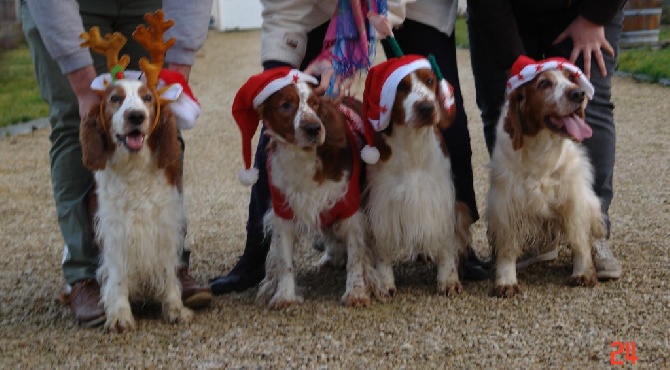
(474, 269)
(249, 270)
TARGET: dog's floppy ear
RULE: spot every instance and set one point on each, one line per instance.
(96, 146)
(512, 123)
(334, 122)
(164, 142)
(381, 145)
(447, 117)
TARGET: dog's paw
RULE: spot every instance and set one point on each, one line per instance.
(387, 288)
(506, 291)
(120, 320)
(450, 289)
(586, 280)
(357, 297)
(178, 314)
(382, 293)
(280, 302)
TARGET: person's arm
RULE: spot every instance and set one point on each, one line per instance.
(60, 25)
(498, 28)
(191, 20)
(397, 11)
(284, 31)
(600, 11)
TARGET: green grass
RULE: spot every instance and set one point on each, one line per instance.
(461, 32)
(645, 61)
(20, 99)
(654, 63)
(664, 34)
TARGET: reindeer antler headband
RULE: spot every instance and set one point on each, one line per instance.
(151, 38)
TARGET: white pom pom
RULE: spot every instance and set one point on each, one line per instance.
(370, 154)
(248, 177)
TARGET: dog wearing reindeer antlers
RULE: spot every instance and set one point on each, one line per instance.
(130, 142)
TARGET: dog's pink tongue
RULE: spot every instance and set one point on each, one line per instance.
(574, 126)
(135, 142)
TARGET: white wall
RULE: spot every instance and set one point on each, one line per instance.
(232, 15)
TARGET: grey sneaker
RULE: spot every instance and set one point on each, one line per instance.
(537, 254)
(607, 266)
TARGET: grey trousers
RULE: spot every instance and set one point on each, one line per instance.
(490, 90)
(71, 181)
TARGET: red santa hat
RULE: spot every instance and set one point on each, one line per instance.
(379, 94)
(525, 69)
(185, 107)
(253, 93)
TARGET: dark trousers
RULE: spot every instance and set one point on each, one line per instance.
(490, 86)
(414, 38)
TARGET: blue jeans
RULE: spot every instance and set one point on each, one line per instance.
(490, 89)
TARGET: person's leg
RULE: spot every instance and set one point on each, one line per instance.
(418, 38)
(71, 181)
(601, 145)
(250, 268)
(489, 84)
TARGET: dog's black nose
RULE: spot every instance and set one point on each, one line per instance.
(425, 109)
(576, 95)
(135, 117)
(312, 129)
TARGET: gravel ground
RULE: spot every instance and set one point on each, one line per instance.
(551, 325)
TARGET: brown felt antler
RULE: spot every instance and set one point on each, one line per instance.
(151, 38)
(110, 46)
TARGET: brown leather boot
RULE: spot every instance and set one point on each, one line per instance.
(85, 303)
(193, 295)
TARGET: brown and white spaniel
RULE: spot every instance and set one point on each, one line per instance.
(411, 202)
(540, 177)
(134, 151)
(314, 174)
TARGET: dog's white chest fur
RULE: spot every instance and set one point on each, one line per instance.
(139, 222)
(306, 197)
(411, 196)
(543, 176)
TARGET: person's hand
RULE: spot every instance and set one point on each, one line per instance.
(323, 67)
(587, 38)
(80, 81)
(184, 69)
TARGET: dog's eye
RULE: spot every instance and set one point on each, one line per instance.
(544, 84)
(314, 104)
(147, 98)
(115, 98)
(403, 87)
(572, 77)
(286, 106)
(429, 81)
